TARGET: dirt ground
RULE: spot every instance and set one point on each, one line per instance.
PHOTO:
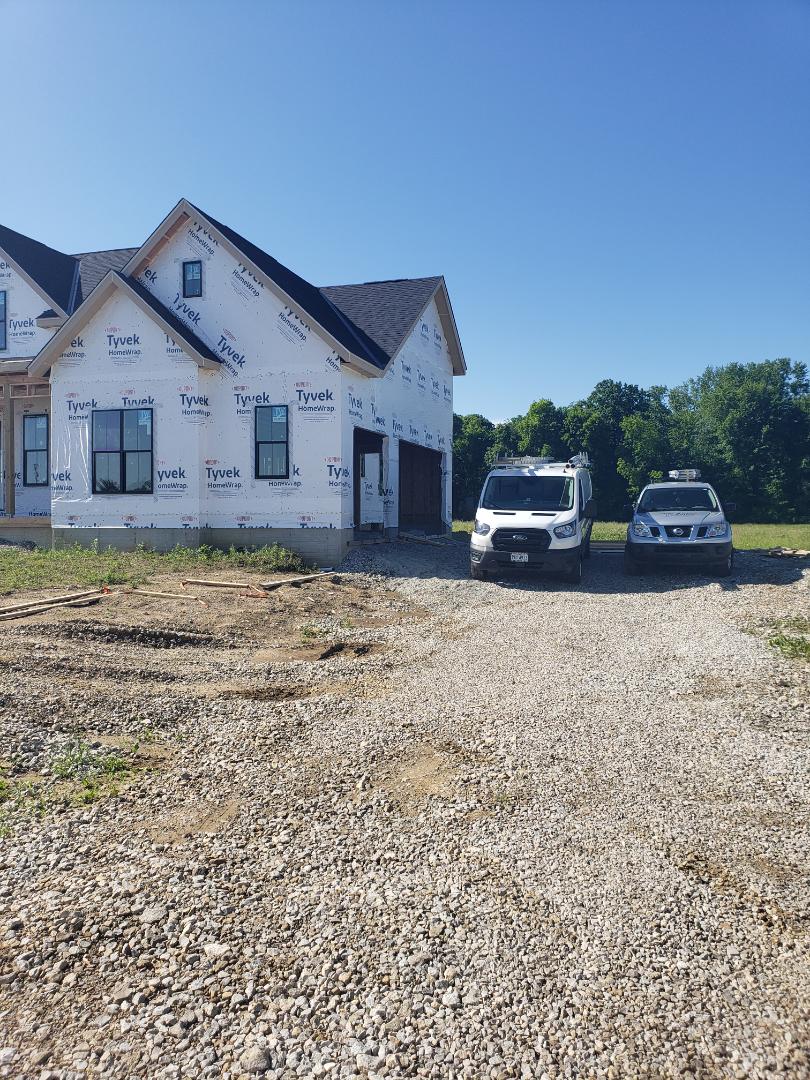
(400, 823)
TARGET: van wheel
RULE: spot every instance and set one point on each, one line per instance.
(477, 572)
(574, 575)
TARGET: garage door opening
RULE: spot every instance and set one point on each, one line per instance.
(420, 488)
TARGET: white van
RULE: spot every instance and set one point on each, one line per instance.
(534, 514)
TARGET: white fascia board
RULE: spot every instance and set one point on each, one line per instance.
(183, 210)
(111, 282)
(453, 339)
(49, 301)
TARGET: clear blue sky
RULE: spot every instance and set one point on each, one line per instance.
(612, 189)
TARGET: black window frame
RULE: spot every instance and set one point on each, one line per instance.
(122, 453)
(271, 442)
(189, 295)
(47, 451)
(4, 322)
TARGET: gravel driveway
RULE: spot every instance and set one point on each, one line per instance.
(519, 829)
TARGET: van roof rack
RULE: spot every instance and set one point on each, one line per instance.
(578, 461)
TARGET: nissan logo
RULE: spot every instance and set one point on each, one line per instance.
(677, 532)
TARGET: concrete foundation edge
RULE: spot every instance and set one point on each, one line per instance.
(323, 547)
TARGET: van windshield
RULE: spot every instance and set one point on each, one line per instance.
(529, 493)
(687, 497)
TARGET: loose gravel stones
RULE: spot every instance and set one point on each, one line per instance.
(508, 829)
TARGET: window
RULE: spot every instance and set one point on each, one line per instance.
(272, 438)
(3, 338)
(122, 452)
(529, 493)
(192, 278)
(35, 451)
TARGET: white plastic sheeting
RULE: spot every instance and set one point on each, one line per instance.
(204, 421)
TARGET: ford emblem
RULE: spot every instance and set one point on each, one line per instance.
(519, 536)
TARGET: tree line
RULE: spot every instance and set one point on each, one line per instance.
(745, 426)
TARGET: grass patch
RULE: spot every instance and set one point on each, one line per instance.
(77, 566)
(746, 537)
(794, 648)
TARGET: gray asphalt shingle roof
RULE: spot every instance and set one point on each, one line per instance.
(52, 270)
(93, 265)
(385, 310)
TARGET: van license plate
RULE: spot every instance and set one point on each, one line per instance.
(519, 556)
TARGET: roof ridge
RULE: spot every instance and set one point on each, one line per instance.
(102, 251)
(383, 281)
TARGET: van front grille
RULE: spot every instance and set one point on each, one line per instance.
(521, 539)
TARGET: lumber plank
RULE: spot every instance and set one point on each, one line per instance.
(300, 579)
(50, 601)
(6, 615)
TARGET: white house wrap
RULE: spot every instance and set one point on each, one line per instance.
(263, 409)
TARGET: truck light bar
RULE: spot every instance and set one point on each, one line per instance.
(684, 474)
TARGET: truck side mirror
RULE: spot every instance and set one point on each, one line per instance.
(589, 510)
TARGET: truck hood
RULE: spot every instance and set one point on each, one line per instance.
(681, 517)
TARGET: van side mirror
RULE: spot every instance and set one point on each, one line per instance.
(589, 510)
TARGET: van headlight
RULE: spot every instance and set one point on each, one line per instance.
(564, 531)
(640, 529)
(481, 528)
(716, 530)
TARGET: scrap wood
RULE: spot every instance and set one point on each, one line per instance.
(782, 552)
(218, 584)
(424, 540)
(169, 595)
(54, 600)
(42, 609)
(299, 580)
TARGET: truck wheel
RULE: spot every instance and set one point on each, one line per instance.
(477, 572)
(724, 568)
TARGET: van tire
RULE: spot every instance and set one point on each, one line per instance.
(574, 575)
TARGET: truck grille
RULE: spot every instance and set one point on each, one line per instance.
(521, 539)
(678, 532)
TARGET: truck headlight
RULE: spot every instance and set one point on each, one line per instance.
(481, 528)
(564, 531)
(640, 529)
(717, 530)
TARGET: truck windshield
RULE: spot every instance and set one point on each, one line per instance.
(688, 497)
(529, 493)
